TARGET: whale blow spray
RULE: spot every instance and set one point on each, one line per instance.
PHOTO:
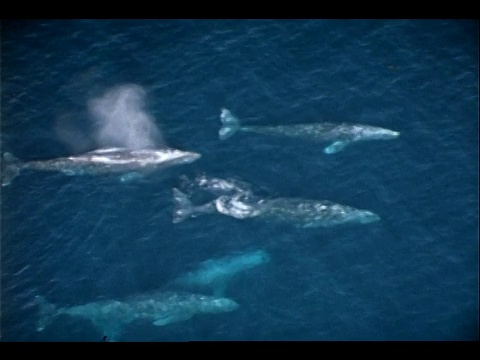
(121, 121)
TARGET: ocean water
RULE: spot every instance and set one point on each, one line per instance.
(78, 239)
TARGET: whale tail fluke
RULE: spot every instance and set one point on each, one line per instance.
(183, 207)
(47, 312)
(230, 124)
(10, 168)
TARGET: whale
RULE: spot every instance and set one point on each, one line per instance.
(215, 274)
(159, 307)
(129, 163)
(302, 213)
(338, 136)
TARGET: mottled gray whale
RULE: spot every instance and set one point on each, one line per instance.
(101, 161)
(215, 274)
(338, 135)
(162, 308)
(303, 213)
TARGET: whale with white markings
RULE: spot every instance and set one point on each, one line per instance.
(126, 162)
(303, 213)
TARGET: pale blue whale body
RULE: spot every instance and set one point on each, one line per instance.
(161, 308)
(126, 162)
(215, 274)
(338, 135)
(303, 213)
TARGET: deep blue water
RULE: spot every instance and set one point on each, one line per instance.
(75, 240)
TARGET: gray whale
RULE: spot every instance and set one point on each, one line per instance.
(243, 204)
(101, 161)
(215, 274)
(338, 135)
(112, 315)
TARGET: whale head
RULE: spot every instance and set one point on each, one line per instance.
(367, 217)
(184, 157)
(218, 305)
(376, 133)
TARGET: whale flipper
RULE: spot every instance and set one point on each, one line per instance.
(336, 147)
(131, 176)
(172, 317)
(68, 172)
(230, 124)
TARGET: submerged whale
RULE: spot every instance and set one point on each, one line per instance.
(101, 161)
(338, 135)
(162, 308)
(214, 274)
(303, 213)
